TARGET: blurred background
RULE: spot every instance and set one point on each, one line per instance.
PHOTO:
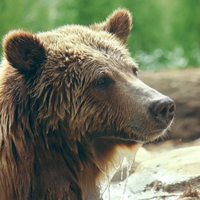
(165, 32)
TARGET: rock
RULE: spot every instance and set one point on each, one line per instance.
(159, 176)
(190, 194)
(169, 145)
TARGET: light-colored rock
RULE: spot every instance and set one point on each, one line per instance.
(159, 175)
(183, 161)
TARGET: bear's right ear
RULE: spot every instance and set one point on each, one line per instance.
(23, 50)
(118, 23)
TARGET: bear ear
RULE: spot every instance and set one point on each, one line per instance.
(23, 50)
(118, 23)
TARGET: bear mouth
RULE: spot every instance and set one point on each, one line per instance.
(132, 134)
(141, 136)
(148, 137)
(145, 135)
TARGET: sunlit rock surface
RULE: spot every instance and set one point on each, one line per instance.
(158, 176)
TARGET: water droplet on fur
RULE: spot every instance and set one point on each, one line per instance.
(122, 172)
(104, 185)
(124, 158)
(79, 61)
(129, 165)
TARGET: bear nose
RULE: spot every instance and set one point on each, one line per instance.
(163, 110)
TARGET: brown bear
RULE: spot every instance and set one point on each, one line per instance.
(70, 101)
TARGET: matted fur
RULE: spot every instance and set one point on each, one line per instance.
(70, 99)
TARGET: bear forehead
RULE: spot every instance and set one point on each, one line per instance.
(82, 40)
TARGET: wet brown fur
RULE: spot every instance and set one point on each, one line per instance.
(57, 122)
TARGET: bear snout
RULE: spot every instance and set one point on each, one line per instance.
(163, 110)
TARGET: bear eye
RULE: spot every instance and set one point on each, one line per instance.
(103, 82)
(135, 71)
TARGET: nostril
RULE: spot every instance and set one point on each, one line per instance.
(163, 112)
(172, 108)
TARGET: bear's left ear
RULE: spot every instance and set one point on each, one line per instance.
(118, 23)
(23, 50)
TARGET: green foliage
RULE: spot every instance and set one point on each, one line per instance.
(165, 32)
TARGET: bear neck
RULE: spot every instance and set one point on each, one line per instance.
(44, 158)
